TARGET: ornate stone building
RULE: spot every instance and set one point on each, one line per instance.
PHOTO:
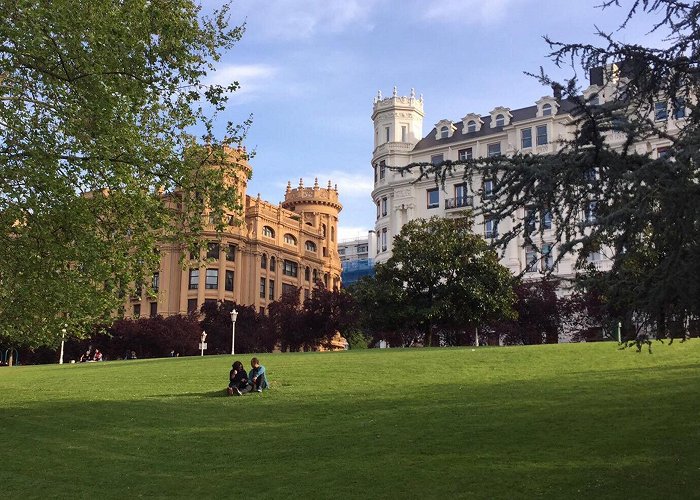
(399, 140)
(277, 248)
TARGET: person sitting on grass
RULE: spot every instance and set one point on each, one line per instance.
(238, 380)
(257, 380)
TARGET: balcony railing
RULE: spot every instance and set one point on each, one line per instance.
(459, 202)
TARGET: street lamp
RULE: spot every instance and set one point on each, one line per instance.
(63, 341)
(234, 315)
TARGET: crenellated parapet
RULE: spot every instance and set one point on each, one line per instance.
(315, 195)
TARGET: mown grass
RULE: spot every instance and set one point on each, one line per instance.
(560, 421)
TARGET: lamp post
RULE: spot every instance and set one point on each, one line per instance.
(234, 315)
(63, 341)
(201, 346)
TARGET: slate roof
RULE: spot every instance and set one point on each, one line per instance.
(518, 115)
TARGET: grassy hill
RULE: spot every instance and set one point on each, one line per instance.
(556, 421)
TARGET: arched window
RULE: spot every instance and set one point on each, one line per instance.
(444, 132)
(290, 239)
(310, 247)
(263, 261)
(500, 120)
(315, 275)
(323, 230)
(268, 231)
(272, 263)
(547, 110)
(325, 280)
(471, 126)
(307, 273)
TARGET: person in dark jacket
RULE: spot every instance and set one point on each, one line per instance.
(238, 380)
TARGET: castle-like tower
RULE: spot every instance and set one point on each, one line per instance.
(278, 248)
(398, 126)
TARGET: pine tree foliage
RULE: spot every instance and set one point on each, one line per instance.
(99, 102)
(607, 189)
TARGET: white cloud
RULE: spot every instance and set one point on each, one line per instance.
(469, 11)
(298, 19)
(253, 78)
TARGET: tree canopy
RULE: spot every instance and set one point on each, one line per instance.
(441, 280)
(99, 162)
(644, 203)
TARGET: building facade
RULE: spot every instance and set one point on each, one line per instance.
(537, 129)
(276, 249)
(357, 258)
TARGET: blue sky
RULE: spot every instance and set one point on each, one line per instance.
(310, 68)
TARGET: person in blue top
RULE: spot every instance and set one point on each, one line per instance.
(257, 379)
(238, 380)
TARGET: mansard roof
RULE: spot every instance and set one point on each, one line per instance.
(519, 115)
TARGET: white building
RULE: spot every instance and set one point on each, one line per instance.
(399, 140)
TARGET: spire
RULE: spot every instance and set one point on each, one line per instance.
(329, 185)
(289, 187)
(301, 182)
(315, 182)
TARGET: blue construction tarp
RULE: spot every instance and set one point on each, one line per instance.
(354, 270)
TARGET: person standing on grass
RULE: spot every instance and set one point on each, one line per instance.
(257, 379)
(238, 380)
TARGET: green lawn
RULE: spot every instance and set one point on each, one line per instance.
(559, 421)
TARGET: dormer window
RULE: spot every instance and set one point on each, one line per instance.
(547, 110)
(471, 123)
(500, 117)
(547, 106)
(268, 231)
(443, 129)
(471, 126)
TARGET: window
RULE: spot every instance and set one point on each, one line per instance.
(660, 111)
(262, 310)
(362, 249)
(491, 228)
(154, 309)
(271, 296)
(547, 257)
(155, 282)
(315, 275)
(384, 204)
(268, 231)
(384, 240)
(212, 279)
(500, 120)
(375, 173)
(433, 198)
(379, 210)
(378, 250)
(194, 279)
(530, 260)
(387, 131)
(191, 306)
(228, 285)
(471, 126)
(526, 138)
(213, 251)
(288, 289)
(678, 109)
(307, 273)
(137, 310)
(231, 253)
(273, 263)
(263, 261)
(542, 135)
(488, 188)
(663, 152)
(444, 132)
(404, 133)
(461, 198)
(594, 257)
(290, 268)
(465, 154)
(306, 293)
(382, 169)
(325, 251)
(310, 247)
(530, 220)
(590, 175)
(589, 212)
(263, 282)
(436, 159)
(290, 239)
(547, 110)
(546, 219)
(494, 149)
(332, 233)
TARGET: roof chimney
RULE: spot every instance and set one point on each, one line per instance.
(556, 91)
